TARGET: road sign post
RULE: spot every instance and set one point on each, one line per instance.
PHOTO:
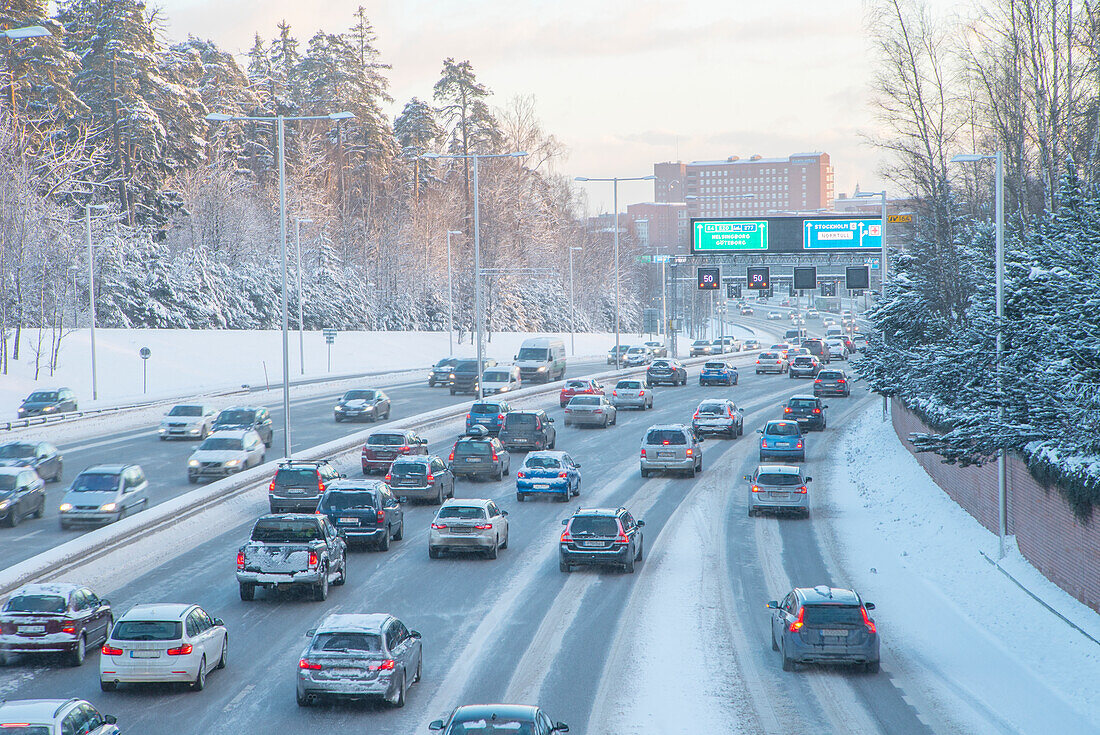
(145, 353)
(330, 337)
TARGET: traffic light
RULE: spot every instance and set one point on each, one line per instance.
(709, 278)
(828, 288)
(857, 277)
(805, 278)
(733, 290)
(760, 278)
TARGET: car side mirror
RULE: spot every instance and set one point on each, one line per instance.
(504, 513)
(577, 465)
(640, 523)
(773, 604)
(415, 633)
(560, 727)
(869, 605)
(110, 719)
(311, 632)
(564, 521)
(435, 725)
(825, 405)
(340, 532)
(759, 431)
(549, 420)
(219, 621)
(748, 478)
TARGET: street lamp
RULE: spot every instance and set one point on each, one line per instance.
(301, 311)
(999, 225)
(450, 296)
(91, 286)
(280, 121)
(474, 158)
(572, 309)
(615, 195)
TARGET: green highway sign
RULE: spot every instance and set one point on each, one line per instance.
(714, 236)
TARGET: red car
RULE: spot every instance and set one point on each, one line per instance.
(383, 447)
(56, 617)
(580, 388)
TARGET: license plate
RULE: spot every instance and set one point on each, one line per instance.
(835, 633)
(144, 654)
(345, 672)
(461, 529)
(347, 520)
(32, 628)
(666, 455)
(779, 496)
(542, 486)
(590, 544)
(296, 491)
(521, 441)
(473, 459)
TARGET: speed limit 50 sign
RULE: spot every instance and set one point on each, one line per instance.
(709, 278)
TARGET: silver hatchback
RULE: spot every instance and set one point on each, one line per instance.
(631, 394)
(671, 447)
(778, 487)
(468, 525)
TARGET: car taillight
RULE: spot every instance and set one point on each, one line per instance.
(598, 410)
(841, 380)
(563, 473)
(695, 415)
(867, 621)
(312, 559)
(483, 526)
(305, 663)
(818, 380)
(621, 538)
(641, 392)
(688, 451)
(799, 445)
(388, 477)
(430, 478)
(817, 410)
(406, 449)
(665, 442)
(468, 419)
(787, 409)
(757, 362)
(798, 622)
(565, 537)
(802, 490)
(364, 452)
(451, 457)
(521, 474)
(614, 392)
(500, 417)
(386, 665)
(495, 458)
(643, 453)
(320, 485)
(763, 443)
(271, 487)
(109, 650)
(184, 650)
(240, 560)
(70, 629)
(439, 526)
(381, 516)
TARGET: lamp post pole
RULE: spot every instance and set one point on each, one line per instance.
(572, 308)
(301, 311)
(450, 296)
(91, 289)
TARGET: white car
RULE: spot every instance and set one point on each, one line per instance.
(637, 356)
(224, 453)
(187, 421)
(54, 717)
(163, 643)
(500, 379)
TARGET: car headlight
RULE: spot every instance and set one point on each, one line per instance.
(65, 507)
(195, 429)
(108, 507)
(339, 408)
(233, 463)
(542, 369)
(49, 408)
(451, 376)
(193, 463)
(162, 430)
(4, 504)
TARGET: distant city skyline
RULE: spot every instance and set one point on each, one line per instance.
(623, 84)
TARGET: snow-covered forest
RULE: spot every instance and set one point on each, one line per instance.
(106, 111)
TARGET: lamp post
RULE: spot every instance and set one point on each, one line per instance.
(615, 196)
(301, 311)
(474, 158)
(280, 124)
(572, 309)
(450, 296)
(91, 287)
(999, 257)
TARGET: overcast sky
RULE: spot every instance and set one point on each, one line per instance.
(623, 83)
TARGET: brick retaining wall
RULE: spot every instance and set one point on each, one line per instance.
(1065, 549)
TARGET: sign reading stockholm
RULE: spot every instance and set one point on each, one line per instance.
(722, 236)
(841, 234)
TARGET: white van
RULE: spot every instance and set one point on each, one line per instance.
(541, 359)
(834, 330)
(500, 379)
(795, 336)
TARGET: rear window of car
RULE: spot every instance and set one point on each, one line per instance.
(803, 360)
(828, 375)
(629, 384)
(659, 364)
(386, 440)
(830, 614)
(769, 355)
(665, 436)
(485, 408)
(803, 403)
(296, 477)
(408, 469)
(778, 478)
(543, 463)
(344, 499)
(594, 526)
(585, 401)
(148, 630)
(782, 428)
(715, 407)
(347, 642)
(576, 384)
(286, 531)
(474, 447)
(515, 420)
(463, 512)
(714, 365)
(36, 603)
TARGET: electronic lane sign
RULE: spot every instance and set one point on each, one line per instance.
(840, 234)
(760, 278)
(709, 279)
(722, 236)
(857, 277)
(805, 278)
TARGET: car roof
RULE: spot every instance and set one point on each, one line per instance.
(782, 469)
(105, 469)
(804, 396)
(468, 712)
(35, 711)
(598, 511)
(158, 611)
(302, 462)
(823, 594)
(63, 589)
(780, 421)
(681, 427)
(233, 433)
(242, 408)
(353, 622)
(358, 484)
(466, 503)
(553, 453)
(12, 471)
(410, 459)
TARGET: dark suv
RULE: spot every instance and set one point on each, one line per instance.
(383, 447)
(246, 417)
(477, 457)
(299, 484)
(424, 477)
(601, 536)
(364, 512)
(824, 625)
(523, 430)
(440, 373)
(665, 371)
(818, 349)
(48, 402)
(463, 375)
(808, 411)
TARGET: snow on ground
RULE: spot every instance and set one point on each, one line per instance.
(983, 649)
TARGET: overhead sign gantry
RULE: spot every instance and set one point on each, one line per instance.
(785, 235)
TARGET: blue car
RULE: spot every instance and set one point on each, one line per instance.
(715, 373)
(552, 473)
(782, 440)
(487, 414)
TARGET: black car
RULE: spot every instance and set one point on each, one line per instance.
(22, 494)
(246, 417)
(55, 617)
(808, 411)
(665, 371)
(48, 403)
(425, 477)
(525, 430)
(440, 373)
(601, 536)
(818, 349)
(362, 404)
(479, 456)
(463, 375)
(298, 485)
(40, 456)
(364, 512)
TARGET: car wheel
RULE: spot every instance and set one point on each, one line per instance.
(343, 571)
(564, 566)
(491, 552)
(223, 659)
(439, 495)
(562, 498)
(505, 544)
(638, 556)
(520, 497)
(788, 663)
(337, 417)
(13, 516)
(320, 590)
(872, 667)
(41, 507)
(775, 646)
(400, 531)
(248, 591)
(384, 543)
(304, 700)
(200, 679)
(577, 489)
(57, 475)
(419, 669)
(452, 391)
(433, 553)
(108, 686)
(752, 511)
(80, 650)
(645, 472)
(64, 525)
(629, 566)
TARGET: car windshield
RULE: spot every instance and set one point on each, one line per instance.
(803, 403)
(408, 469)
(778, 478)
(832, 614)
(637, 351)
(42, 396)
(713, 408)
(480, 448)
(542, 463)
(344, 499)
(659, 364)
(7, 483)
(825, 375)
(629, 384)
(782, 428)
(446, 362)
(296, 476)
(386, 440)
(620, 348)
(485, 408)
(94, 482)
(496, 376)
(359, 395)
(465, 366)
(514, 420)
(804, 360)
(221, 443)
(701, 342)
(16, 451)
(532, 353)
(186, 411)
(594, 526)
(347, 642)
(147, 630)
(462, 512)
(234, 418)
(585, 401)
(714, 366)
(36, 604)
(665, 436)
(769, 355)
(286, 531)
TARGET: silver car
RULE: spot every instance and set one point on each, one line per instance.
(103, 494)
(631, 394)
(779, 487)
(468, 524)
(671, 447)
(225, 453)
(187, 421)
(590, 411)
(636, 356)
(359, 656)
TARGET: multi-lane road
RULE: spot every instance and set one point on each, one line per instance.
(516, 628)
